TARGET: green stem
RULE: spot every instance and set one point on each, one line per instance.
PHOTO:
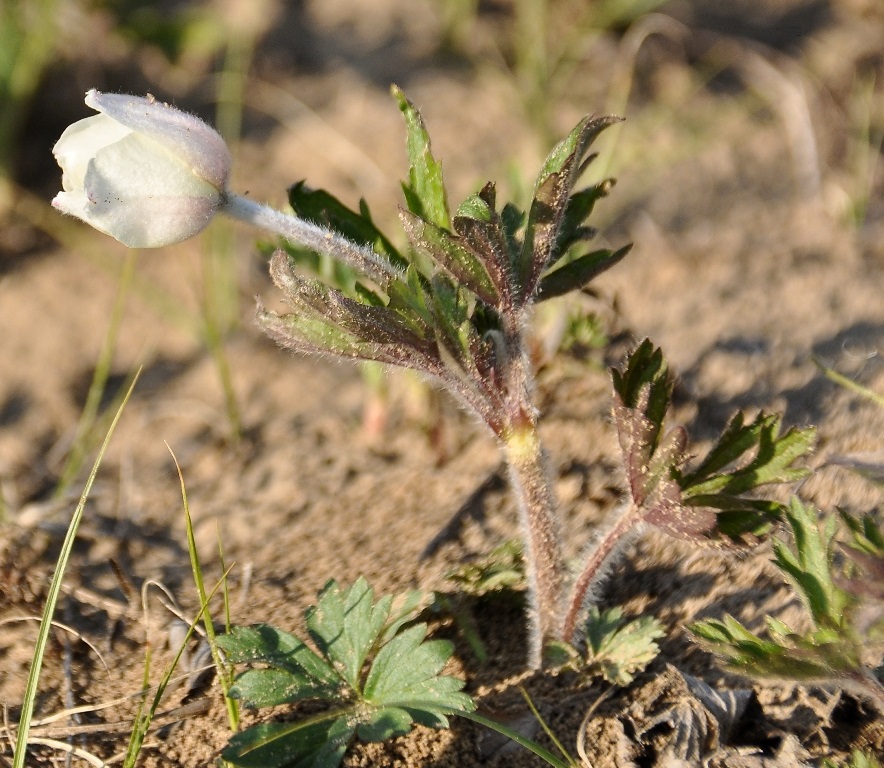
(85, 426)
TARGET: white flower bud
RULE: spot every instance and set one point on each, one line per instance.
(141, 171)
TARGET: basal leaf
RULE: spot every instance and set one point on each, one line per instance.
(346, 624)
(425, 192)
(615, 649)
(276, 648)
(706, 503)
(809, 566)
(273, 686)
(405, 674)
(381, 678)
(404, 609)
(309, 743)
(385, 723)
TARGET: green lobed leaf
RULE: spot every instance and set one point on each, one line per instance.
(383, 678)
(404, 609)
(615, 649)
(773, 462)
(346, 625)
(552, 192)
(385, 723)
(816, 656)
(274, 686)
(425, 192)
(308, 743)
(576, 274)
(809, 565)
(276, 648)
(405, 674)
(866, 535)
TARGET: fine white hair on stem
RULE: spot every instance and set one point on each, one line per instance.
(616, 542)
(312, 236)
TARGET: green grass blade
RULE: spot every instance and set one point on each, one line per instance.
(232, 708)
(531, 746)
(546, 729)
(143, 719)
(27, 710)
(86, 427)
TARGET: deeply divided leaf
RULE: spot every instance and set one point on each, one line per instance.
(452, 255)
(810, 564)
(375, 674)
(345, 625)
(615, 649)
(425, 192)
(576, 274)
(709, 501)
(552, 194)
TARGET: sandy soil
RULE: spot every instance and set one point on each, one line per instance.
(743, 269)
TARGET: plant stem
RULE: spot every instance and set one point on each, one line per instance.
(214, 338)
(311, 236)
(543, 556)
(594, 568)
(530, 482)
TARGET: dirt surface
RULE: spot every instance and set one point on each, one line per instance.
(735, 170)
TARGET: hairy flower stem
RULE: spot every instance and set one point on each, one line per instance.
(610, 542)
(311, 236)
(531, 485)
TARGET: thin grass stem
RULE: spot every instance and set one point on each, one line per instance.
(214, 338)
(27, 709)
(86, 425)
(196, 567)
(532, 746)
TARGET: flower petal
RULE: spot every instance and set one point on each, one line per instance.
(198, 144)
(79, 143)
(154, 222)
(136, 167)
(142, 195)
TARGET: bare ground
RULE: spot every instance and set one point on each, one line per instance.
(743, 269)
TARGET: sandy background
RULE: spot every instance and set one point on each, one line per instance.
(751, 134)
